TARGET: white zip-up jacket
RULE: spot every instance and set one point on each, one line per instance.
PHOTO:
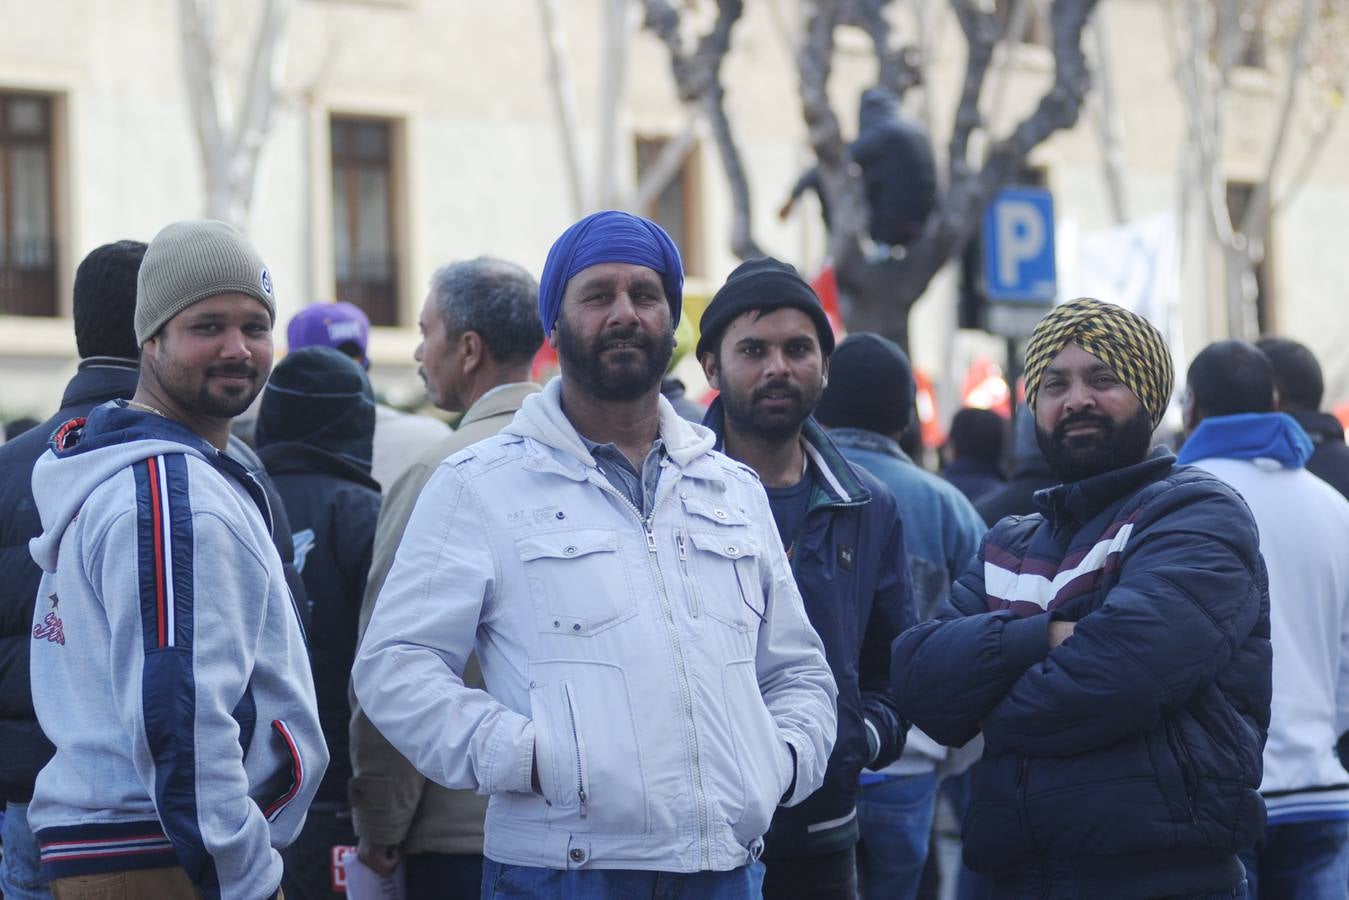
(661, 670)
(169, 667)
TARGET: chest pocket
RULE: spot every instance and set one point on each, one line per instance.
(724, 561)
(579, 581)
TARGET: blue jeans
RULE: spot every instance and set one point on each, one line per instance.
(1303, 860)
(507, 882)
(895, 816)
(21, 867)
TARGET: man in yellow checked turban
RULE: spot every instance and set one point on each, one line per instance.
(1112, 649)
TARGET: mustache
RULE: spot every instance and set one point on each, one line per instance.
(778, 387)
(244, 371)
(632, 336)
(1101, 421)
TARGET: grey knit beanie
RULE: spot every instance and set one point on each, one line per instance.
(190, 261)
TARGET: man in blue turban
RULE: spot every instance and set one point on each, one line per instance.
(654, 689)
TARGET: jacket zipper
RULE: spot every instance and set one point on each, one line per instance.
(580, 752)
(672, 631)
(690, 587)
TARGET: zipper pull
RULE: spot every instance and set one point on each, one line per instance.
(679, 540)
(650, 538)
(581, 795)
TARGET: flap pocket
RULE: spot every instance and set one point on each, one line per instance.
(730, 545)
(714, 511)
(578, 580)
(567, 544)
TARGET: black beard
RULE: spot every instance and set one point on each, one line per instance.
(205, 403)
(749, 418)
(1115, 447)
(636, 372)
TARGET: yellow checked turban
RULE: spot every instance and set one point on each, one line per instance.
(1123, 340)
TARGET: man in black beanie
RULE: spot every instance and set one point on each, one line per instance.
(105, 299)
(765, 346)
(315, 434)
(867, 405)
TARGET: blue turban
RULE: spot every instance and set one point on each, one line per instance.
(610, 237)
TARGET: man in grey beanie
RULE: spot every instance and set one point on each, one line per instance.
(172, 655)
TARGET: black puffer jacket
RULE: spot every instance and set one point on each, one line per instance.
(1124, 762)
(24, 750)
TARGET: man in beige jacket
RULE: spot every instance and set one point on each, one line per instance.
(480, 330)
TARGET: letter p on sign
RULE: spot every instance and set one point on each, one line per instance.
(1018, 233)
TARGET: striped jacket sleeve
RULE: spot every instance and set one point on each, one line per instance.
(187, 596)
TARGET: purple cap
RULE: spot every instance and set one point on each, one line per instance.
(339, 325)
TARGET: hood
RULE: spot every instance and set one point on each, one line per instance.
(878, 106)
(1273, 436)
(541, 418)
(85, 452)
(342, 426)
(1321, 427)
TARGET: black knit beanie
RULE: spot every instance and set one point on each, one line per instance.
(870, 386)
(105, 300)
(761, 285)
(321, 397)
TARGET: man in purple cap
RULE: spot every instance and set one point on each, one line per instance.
(399, 437)
(654, 689)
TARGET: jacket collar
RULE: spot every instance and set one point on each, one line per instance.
(541, 418)
(298, 458)
(1321, 427)
(838, 481)
(871, 441)
(1273, 436)
(100, 379)
(1078, 502)
(504, 399)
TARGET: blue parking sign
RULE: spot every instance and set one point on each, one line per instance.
(1018, 237)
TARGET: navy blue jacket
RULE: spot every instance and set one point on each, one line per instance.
(333, 506)
(24, 750)
(1125, 761)
(853, 575)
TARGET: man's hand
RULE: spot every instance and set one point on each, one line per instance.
(1060, 631)
(381, 859)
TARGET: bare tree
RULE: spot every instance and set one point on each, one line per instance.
(1302, 43)
(697, 75)
(879, 292)
(231, 140)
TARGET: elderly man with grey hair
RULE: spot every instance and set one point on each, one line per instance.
(479, 336)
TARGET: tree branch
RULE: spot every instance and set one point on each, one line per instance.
(698, 80)
(564, 103)
(1255, 221)
(841, 186)
(617, 37)
(897, 67)
(665, 167)
(255, 117)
